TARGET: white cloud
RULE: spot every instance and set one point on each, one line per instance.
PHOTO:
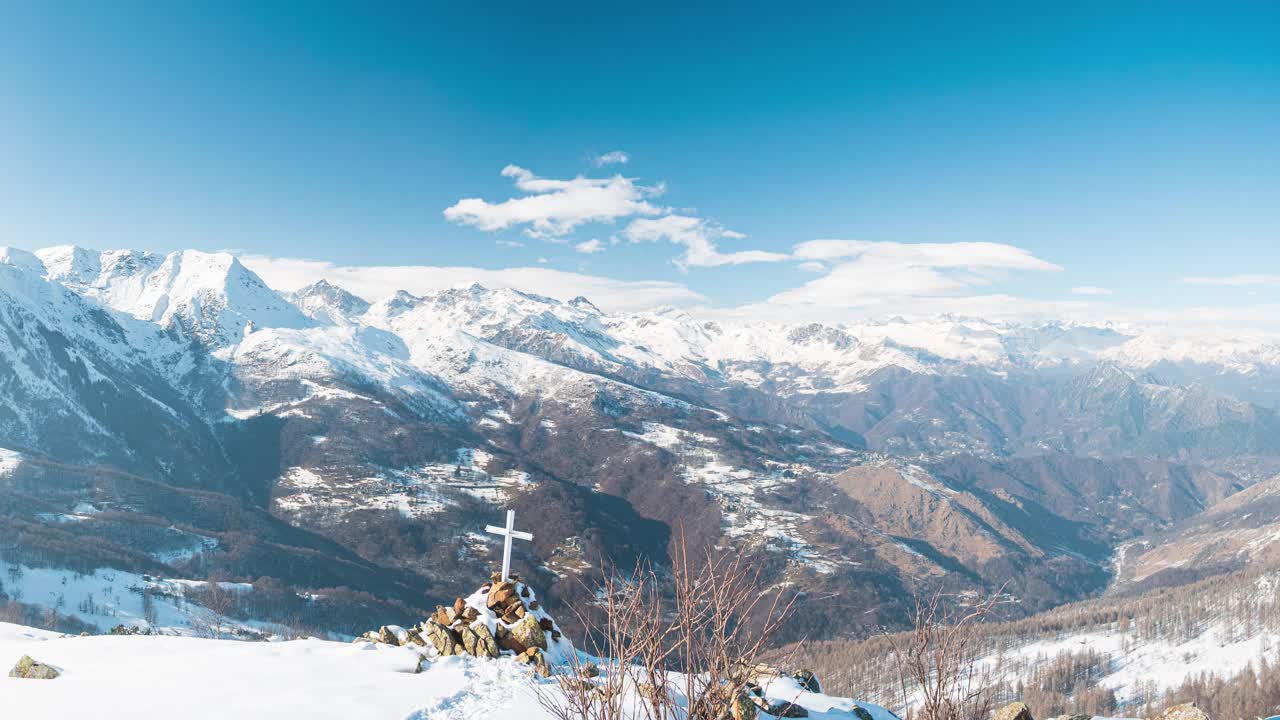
(589, 247)
(698, 237)
(379, 282)
(891, 276)
(1090, 290)
(509, 243)
(811, 266)
(617, 157)
(553, 208)
(1242, 280)
(958, 254)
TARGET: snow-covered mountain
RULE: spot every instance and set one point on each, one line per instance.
(391, 430)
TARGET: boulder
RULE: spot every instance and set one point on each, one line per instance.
(441, 616)
(413, 637)
(29, 669)
(529, 633)
(387, 637)
(590, 670)
(861, 713)
(1014, 711)
(808, 680)
(507, 641)
(1189, 711)
(533, 656)
(478, 641)
(445, 640)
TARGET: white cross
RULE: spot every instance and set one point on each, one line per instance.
(508, 533)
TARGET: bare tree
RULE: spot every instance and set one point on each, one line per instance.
(683, 649)
(939, 662)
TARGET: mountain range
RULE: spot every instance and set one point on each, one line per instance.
(176, 416)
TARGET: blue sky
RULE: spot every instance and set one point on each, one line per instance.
(1111, 147)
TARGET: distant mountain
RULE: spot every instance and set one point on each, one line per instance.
(872, 459)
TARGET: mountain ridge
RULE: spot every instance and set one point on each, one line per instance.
(395, 427)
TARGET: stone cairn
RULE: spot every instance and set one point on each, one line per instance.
(502, 618)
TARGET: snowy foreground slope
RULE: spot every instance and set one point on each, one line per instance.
(130, 677)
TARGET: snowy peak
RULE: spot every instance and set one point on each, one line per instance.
(817, 333)
(581, 303)
(327, 302)
(21, 259)
(210, 297)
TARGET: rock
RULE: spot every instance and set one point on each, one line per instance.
(1075, 717)
(590, 670)
(533, 656)
(29, 669)
(1014, 711)
(533, 605)
(1189, 711)
(445, 640)
(761, 672)
(524, 591)
(441, 616)
(501, 595)
(530, 633)
(861, 713)
(387, 637)
(648, 691)
(478, 641)
(807, 680)
(743, 709)
(783, 709)
(459, 606)
(576, 686)
(507, 641)
(414, 637)
(546, 624)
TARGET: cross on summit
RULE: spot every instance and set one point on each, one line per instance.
(508, 533)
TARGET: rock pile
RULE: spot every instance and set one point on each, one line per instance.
(503, 617)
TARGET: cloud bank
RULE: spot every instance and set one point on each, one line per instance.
(379, 282)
